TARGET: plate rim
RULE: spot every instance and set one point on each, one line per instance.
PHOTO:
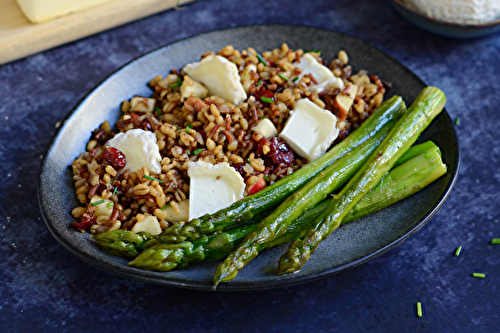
(241, 286)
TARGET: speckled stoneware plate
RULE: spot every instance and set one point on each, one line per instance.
(444, 28)
(351, 245)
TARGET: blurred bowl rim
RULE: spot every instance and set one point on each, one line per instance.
(448, 23)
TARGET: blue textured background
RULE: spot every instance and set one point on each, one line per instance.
(44, 288)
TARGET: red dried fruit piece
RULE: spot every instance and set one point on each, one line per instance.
(195, 103)
(259, 185)
(266, 94)
(114, 157)
(85, 221)
(280, 152)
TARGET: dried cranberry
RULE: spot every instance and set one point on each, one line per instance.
(85, 221)
(266, 94)
(280, 152)
(114, 157)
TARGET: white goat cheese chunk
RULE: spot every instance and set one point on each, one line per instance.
(213, 187)
(147, 223)
(43, 10)
(310, 130)
(265, 127)
(140, 149)
(219, 76)
(322, 74)
(192, 88)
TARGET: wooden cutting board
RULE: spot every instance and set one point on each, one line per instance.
(20, 38)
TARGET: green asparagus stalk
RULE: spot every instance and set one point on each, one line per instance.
(124, 243)
(271, 196)
(295, 205)
(399, 183)
(425, 108)
(165, 257)
(403, 180)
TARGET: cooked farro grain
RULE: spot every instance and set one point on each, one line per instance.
(209, 130)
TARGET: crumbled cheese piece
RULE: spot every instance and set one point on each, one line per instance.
(323, 75)
(310, 130)
(344, 102)
(140, 149)
(104, 208)
(147, 223)
(192, 88)
(39, 11)
(175, 212)
(265, 127)
(246, 77)
(213, 187)
(142, 104)
(459, 11)
(219, 76)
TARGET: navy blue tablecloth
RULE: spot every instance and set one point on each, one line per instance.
(44, 288)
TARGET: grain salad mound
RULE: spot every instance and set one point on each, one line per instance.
(191, 123)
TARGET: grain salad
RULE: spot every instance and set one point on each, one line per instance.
(135, 174)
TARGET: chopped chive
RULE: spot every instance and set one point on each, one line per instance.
(198, 151)
(419, 310)
(479, 275)
(457, 121)
(188, 127)
(261, 60)
(259, 82)
(165, 207)
(266, 99)
(157, 109)
(313, 51)
(458, 250)
(95, 203)
(495, 241)
(151, 178)
(115, 190)
(266, 179)
(176, 84)
(295, 79)
(110, 204)
(263, 117)
(283, 77)
(248, 160)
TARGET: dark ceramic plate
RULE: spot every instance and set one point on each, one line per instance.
(443, 28)
(350, 246)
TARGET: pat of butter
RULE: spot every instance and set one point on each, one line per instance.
(213, 187)
(265, 127)
(192, 88)
(43, 10)
(219, 76)
(310, 130)
(140, 149)
(147, 223)
(322, 74)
